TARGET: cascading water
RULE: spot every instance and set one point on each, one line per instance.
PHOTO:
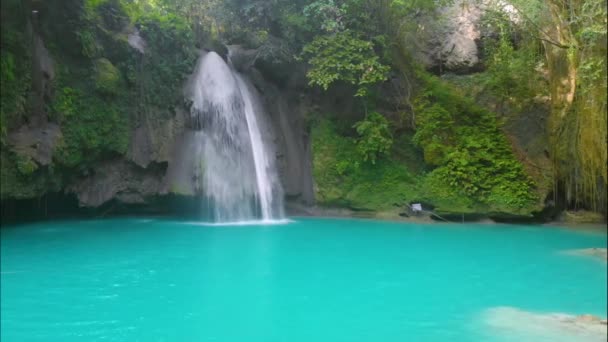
(233, 167)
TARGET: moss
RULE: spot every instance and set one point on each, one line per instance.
(170, 59)
(107, 77)
(20, 181)
(92, 128)
(343, 179)
(26, 165)
(476, 167)
(445, 198)
(15, 68)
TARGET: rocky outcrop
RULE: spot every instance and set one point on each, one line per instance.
(154, 137)
(37, 143)
(454, 42)
(121, 180)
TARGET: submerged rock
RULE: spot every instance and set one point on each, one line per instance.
(531, 326)
(601, 253)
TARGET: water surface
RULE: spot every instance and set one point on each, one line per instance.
(309, 280)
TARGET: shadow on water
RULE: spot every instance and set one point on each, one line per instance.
(59, 206)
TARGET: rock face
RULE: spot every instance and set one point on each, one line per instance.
(154, 138)
(294, 154)
(121, 180)
(43, 73)
(36, 142)
(519, 325)
(287, 109)
(453, 44)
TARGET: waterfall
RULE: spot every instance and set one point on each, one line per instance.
(234, 164)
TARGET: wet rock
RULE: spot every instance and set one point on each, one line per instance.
(121, 180)
(154, 139)
(242, 59)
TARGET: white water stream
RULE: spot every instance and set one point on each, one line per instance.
(236, 169)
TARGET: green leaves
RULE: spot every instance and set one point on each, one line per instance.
(328, 13)
(344, 57)
(91, 128)
(374, 137)
(472, 155)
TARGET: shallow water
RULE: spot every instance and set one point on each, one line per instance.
(308, 280)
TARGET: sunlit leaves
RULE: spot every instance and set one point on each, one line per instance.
(344, 57)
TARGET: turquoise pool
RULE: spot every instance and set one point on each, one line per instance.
(308, 280)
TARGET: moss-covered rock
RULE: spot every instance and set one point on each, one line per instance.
(108, 79)
(92, 128)
(21, 178)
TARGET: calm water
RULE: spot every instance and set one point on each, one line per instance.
(309, 280)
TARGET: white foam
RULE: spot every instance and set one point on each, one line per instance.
(239, 223)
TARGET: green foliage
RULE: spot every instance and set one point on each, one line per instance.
(170, 58)
(436, 132)
(92, 128)
(90, 48)
(26, 165)
(513, 72)
(15, 78)
(472, 155)
(374, 137)
(344, 57)
(15, 69)
(19, 178)
(107, 77)
(342, 179)
(328, 13)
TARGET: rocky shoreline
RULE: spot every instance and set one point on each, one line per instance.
(294, 209)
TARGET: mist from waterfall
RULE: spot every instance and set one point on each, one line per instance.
(234, 165)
